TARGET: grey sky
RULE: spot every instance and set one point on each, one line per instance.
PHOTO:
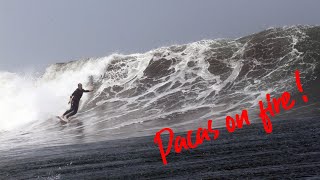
(35, 33)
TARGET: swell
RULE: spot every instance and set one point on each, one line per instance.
(179, 86)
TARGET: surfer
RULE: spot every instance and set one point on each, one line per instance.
(74, 100)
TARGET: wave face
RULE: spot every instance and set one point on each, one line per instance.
(181, 87)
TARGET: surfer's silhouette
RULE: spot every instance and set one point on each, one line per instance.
(74, 100)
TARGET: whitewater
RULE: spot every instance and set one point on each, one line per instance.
(181, 87)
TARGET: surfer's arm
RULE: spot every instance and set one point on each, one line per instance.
(71, 97)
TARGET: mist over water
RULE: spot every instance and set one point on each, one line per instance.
(29, 97)
(180, 87)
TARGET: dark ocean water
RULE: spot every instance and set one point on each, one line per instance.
(291, 151)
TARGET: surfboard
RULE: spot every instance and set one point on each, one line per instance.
(62, 120)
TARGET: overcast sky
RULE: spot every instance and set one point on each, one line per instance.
(36, 33)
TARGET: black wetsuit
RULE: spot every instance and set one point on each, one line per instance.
(77, 94)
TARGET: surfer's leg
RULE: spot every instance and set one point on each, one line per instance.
(74, 111)
(72, 108)
(67, 112)
(71, 114)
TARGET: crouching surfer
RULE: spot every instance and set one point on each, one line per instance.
(74, 100)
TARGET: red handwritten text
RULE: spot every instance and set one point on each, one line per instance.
(274, 108)
(239, 121)
(182, 142)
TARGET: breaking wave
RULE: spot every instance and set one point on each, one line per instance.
(180, 86)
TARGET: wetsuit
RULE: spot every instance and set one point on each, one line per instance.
(77, 94)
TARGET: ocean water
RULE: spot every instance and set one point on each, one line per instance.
(181, 87)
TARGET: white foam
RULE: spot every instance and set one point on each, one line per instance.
(27, 98)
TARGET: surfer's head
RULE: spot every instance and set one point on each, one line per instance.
(80, 86)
